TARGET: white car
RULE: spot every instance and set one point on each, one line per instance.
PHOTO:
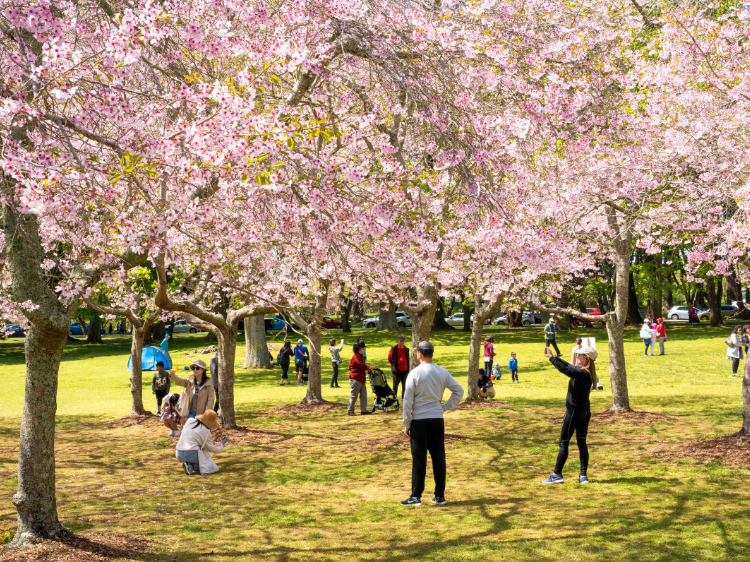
(681, 313)
(402, 319)
(526, 320)
(726, 310)
(456, 320)
(182, 327)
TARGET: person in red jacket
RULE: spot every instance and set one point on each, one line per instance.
(358, 379)
(489, 354)
(398, 357)
(661, 333)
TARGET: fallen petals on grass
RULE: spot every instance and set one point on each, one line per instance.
(86, 547)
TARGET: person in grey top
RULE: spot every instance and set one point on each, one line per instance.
(423, 421)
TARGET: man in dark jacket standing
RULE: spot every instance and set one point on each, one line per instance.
(398, 357)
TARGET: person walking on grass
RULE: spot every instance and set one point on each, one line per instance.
(198, 395)
(196, 436)
(335, 352)
(358, 380)
(489, 353)
(646, 333)
(160, 385)
(577, 410)
(301, 357)
(661, 333)
(283, 359)
(423, 421)
(165, 344)
(169, 414)
(398, 357)
(549, 336)
(513, 367)
(734, 349)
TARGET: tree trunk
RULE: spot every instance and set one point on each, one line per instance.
(515, 319)
(95, 331)
(700, 298)
(387, 317)
(315, 371)
(421, 320)
(449, 312)
(136, 372)
(481, 313)
(734, 291)
(617, 371)
(634, 317)
(257, 355)
(439, 322)
(466, 309)
(713, 291)
(669, 300)
(346, 315)
(227, 346)
(160, 330)
(43, 347)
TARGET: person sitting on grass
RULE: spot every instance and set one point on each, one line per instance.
(169, 414)
(196, 436)
(486, 389)
(577, 409)
(497, 373)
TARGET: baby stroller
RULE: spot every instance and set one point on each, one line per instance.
(384, 396)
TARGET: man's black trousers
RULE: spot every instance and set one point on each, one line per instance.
(427, 435)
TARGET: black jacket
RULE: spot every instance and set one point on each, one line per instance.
(394, 359)
(579, 386)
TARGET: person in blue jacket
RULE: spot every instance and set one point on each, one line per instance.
(301, 356)
(513, 367)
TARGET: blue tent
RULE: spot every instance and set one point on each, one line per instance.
(150, 356)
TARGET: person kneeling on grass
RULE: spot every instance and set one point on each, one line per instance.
(486, 389)
(577, 409)
(196, 436)
(169, 414)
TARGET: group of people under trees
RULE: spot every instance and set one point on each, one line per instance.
(738, 339)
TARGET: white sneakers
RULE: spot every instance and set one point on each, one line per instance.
(174, 433)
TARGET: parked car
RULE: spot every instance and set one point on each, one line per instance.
(402, 319)
(681, 313)
(182, 327)
(14, 331)
(456, 320)
(274, 324)
(330, 323)
(592, 312)
(527, 319)
(726, 310)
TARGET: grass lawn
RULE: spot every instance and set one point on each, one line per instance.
(324, 486)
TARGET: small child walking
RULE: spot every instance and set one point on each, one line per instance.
(496, 372)
(513, 367)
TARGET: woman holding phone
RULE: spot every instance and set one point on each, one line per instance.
(577, 409)
(196, 435)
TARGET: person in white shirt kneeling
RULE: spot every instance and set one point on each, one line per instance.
(195, 441)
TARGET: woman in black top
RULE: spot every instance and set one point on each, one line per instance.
(577, 409)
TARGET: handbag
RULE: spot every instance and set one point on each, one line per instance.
(728, 341)
(206, 464)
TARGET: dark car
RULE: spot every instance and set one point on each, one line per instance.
(330, 323)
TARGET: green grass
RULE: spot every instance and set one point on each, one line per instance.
(322, 491)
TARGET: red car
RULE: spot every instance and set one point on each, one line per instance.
(591, 311)
(329, 322)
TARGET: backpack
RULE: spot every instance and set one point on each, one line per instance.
(281, 356)
(162, 380)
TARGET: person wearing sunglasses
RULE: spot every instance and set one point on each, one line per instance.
(198, 395)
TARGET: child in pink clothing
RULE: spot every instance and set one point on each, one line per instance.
(169, 414)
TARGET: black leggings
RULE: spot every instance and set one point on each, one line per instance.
(574, 421)
(335, 376)
(285, 370)
(487, 367)
(735, 365)
(160, 394)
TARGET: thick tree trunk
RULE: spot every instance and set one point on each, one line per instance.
(449, 312)
(713, 291)
(669, 300)
(387, 317)
(95, 331)
(734, 291)
(315, 371)
(515, 319)
(227, 346)
(617, 371)
(439, 322)
(43, 347)
(481, 313)
(257, 355)
(160, 330)
(136, 372)
(346, 315)
(35, 500)
(634, 317)
(422, 318)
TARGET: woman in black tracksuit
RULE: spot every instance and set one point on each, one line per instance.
(577, 409)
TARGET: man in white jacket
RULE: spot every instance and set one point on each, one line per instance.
(423, 421)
